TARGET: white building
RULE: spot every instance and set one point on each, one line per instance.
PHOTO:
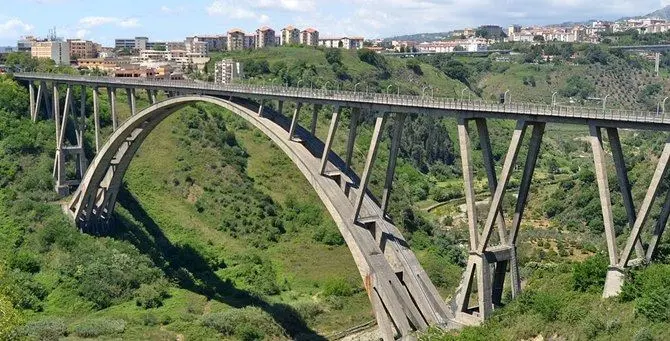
(353, 43)
(227, 71)
(56, 50)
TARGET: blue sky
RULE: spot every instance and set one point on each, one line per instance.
(103, 21)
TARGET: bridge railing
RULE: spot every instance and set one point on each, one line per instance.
(364, 97)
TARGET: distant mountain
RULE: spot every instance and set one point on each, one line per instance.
(663, 13)
(422, 36)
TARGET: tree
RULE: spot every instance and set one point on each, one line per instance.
(538, 38)
(577, 86)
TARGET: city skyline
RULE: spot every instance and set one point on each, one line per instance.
(104, 22)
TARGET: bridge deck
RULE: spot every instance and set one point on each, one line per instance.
(383, 102)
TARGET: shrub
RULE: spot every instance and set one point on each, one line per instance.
(98, 327)
(9, 318)
(654, 305)
(152, 295)
(337, 287)
(308, 310)
(24, 261)
(45, 330)
(257, 273)
(243, 322)
(23, 291)
(328, 234)
(590, 274)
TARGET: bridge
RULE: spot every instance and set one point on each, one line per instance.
(657, 49)
(402, 296)
(466, 53)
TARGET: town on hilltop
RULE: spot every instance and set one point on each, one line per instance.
(140, 57)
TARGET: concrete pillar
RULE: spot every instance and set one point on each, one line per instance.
(484, 292)
(657, 67)
(499, 272)
(351, 140)
(315, 114)
(614, 279)
(280, 107)
(152, 96)
(260, 109)
(47, 101)
(96, 119)
(659, 228)
(130, 92)
(56, 111)
(393, 158)
(31, 93)
(645, 208)
(38, 102)
(624, 183)
(369, 162)
(294, 121)
(334, 121)
(487, 153)
(468, 182)
(111, 92)
(61, 186)
(496, 201)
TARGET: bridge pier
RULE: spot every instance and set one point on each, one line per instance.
(351, 140)
(369, 162)
(334, 122)
(111, 93)
(31, 93)
(96, 118)
(294, 121)
(63, 151)
(315, 116)
(130, 92)
(393, 158)
(657, 65)
(487, 265)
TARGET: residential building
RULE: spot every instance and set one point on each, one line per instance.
(56, 50)
(6, 49)
(135, 72)
(171, 45)
(309, 37)
(141, 43)
(106, 65)
(236, 39)
(196, 47)
(512, 30)
(227, 71)
(249, 41)
(82, 49)
(214, 43)
(25, 44)
(124, 44)
(290, 35)
(265, 37)
(348, 43)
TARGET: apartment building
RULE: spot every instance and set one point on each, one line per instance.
(227, 71)
(309, 37)
(214, 43)
(236, 39)
(139, 43)
(290, 35)
(265, 37)
(348, 43)
(249, 41)
(82, 49)
(56, 50)
(25, 44)
(195, 47)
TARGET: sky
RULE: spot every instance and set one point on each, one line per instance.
(168, 20)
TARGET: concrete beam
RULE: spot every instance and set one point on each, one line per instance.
(96, 119)
(468, 181)
(31, 93)
(294, 121)
(604, 191)
(624, 183)
(351, 140)
(130, 92)
(111, 92)
(369, 163)
(659, 228)
(315, 116)
(648, 201)
(334, 122)
(393, 158)
(47, 101)
(496, 201)
(38, 102)
(487, 153)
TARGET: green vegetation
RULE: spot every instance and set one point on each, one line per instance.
(218, 235)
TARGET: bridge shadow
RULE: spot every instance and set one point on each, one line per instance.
(190, 270)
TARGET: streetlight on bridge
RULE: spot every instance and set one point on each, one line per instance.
(605, 101)
(505, 97)
(356, 85)
(463, 93)
(299, 83)
(553, 98)
(661, 106)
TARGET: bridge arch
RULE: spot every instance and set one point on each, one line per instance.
(402, 296)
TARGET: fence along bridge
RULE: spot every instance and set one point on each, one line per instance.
(403, 298)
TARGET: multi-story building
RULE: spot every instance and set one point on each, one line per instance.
(512, 30)
(56, 50)
(25, 44)
(235, 39)
(227, 71)
(348, 43)
(249, 41)
(139, 43)
(310, 37)
(265, 37)
(195, 47)
(290, 35)
(82, 49)
(214, 43)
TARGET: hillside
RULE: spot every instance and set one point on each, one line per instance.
(217, 235)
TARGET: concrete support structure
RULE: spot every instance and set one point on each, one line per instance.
(351, 140)
(31, 93)
(65, 150)
(657, 64)
(487, 264)
(369, 163)
(334, 122)
(96, 118)
(393, 158)
(294, 121)
(130, 92)
(619, 261)
(111, 93)
(315, 116)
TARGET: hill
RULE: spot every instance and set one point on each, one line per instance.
(421, 37)
(663, 13)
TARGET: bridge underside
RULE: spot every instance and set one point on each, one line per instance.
(403, 297)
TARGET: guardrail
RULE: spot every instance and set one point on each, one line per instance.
(427, 102)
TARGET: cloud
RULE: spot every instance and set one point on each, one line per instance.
(90, 22)
(234, 10)
(172, 10)
(14, 27)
